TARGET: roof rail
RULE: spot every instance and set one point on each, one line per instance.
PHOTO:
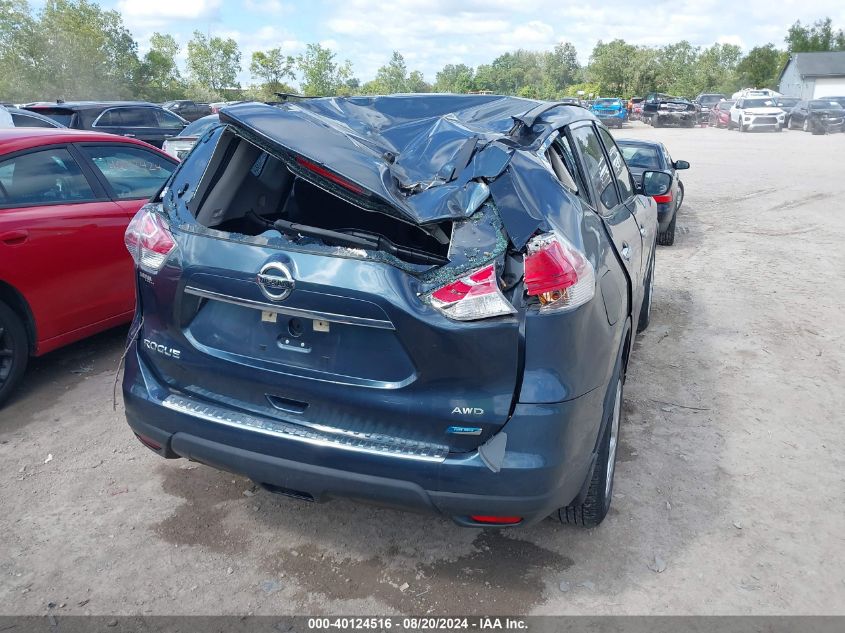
(284, 96)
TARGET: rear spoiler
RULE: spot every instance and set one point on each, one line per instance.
(528, 119)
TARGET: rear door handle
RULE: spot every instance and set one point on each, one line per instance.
(130, 135)
(626, 250)
(13, 237)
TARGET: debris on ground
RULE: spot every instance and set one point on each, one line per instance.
(270, 586)
(658, 564)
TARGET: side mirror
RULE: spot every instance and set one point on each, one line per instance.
(680, 164)
(655, 183)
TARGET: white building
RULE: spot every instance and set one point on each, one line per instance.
(813, 75)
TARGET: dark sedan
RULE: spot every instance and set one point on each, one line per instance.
(144, 121)
(644, 156)
(188, 110)
(786, 103)
(818, 116)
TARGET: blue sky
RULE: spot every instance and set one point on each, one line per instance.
(435, 32)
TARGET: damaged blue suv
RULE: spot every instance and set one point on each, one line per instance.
(423, 301)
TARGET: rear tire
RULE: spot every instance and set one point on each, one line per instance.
(645, 310)
(667, 237)
(593, 509)
(14, 350)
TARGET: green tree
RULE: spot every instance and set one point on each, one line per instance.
(715, 69)
(760, 67)
(561, 69)
(322, 76)
(610, 67)
(213, 62)
(644, 73)
(457, 78)
(17, 50)
(416, 82)
(159, 78)
(272, 67)
(80, 51)
(393, 77)
(818, 37)
(676, 63)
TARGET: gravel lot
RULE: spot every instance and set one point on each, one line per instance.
(731, 472)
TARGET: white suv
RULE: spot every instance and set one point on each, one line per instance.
(756, 113)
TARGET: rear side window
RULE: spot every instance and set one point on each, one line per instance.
(131, 172)
(63, 116)
(168, 120)
(561, 156)
(109, 118)
(138, 117)
(22, 120)
(49, 176)
(617, 165)
(595, 164)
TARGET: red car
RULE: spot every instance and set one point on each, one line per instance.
(720, 114)
(66, 198)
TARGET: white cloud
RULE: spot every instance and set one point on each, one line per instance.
(432, 33)
(140, 13)
(267, 7)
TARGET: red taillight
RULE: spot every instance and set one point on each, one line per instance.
(148, 442)
(328, 175)
(664, 198)
(558, 273)
(548, 269)
(474, 296)
(148, 239)
(495, 520)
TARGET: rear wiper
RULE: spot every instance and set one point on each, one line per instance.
(360, 240)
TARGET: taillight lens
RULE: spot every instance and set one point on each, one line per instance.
(664, 198)
(558, 273)
(148, 239)
(495, 520)
(475, 296)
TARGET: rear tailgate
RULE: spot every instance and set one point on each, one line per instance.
(352, 347)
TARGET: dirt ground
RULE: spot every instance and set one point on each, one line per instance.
(731, 479)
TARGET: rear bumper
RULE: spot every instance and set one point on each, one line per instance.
(612, 118)
(549, 455)
(677, 118)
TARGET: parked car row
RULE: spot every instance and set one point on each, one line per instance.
(747, 114)
(260, 344)
(145, 121)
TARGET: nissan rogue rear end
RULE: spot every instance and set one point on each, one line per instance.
(405, 300)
